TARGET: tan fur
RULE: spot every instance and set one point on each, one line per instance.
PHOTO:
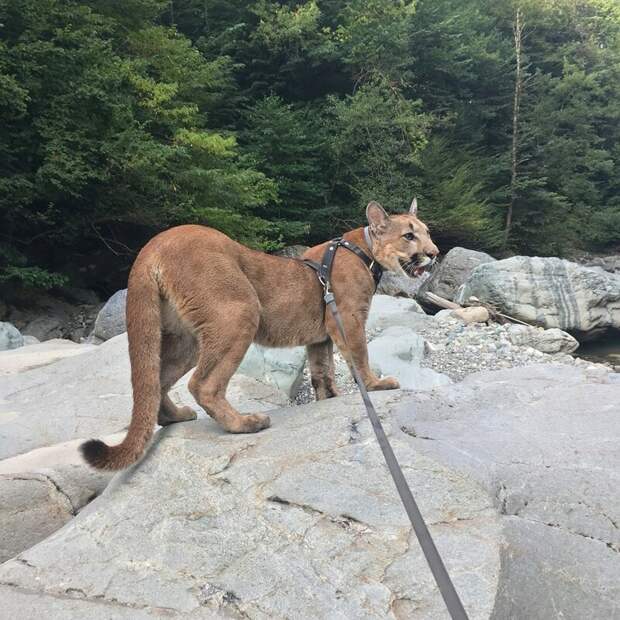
(197, 298)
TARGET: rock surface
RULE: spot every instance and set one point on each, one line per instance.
(545, 442)
(549, 292)
(300, 521)
(90, 395)
(398, 352)
(400, 286)
(110, 321)
(453, 271)
(41, 491)
(39, 354)
(546, 340)
(516, 472)
(280, 367)
(10, 337)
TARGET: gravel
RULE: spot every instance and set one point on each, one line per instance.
(457, 350)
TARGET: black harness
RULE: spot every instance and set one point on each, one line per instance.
(324, 268)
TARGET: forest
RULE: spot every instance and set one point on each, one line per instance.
(277, 122)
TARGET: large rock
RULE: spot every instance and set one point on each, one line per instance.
(386, 311)
(90, 395)
(10, 337)
(453, 271)
(280, 367)
(545, 442)
(546, 340)
(39, 354)
(299, 521)
(41, 491)
(110, 321)
(399, 351)
(400, 286)
(516, 472)
(549, 292)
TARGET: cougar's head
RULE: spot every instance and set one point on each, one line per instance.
(400, 243)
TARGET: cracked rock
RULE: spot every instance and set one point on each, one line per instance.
(297, 521)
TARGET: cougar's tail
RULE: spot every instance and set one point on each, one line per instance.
(144, 333)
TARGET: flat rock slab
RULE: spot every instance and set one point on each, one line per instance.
(545, 442)
(40, 354)
(90, 395)
(298, 521)
(41, 491)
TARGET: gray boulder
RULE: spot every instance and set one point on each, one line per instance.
(299, 521)
(549, 292)
(10, 337)
(282, 368)
(515, 471)
(398, 351)
(45, 327)
(90, 395)
(552, 340)
(41, 491)
(386, 311)
(110, 321)
(400, 286)
(39, 354)
(453, 271)
(544, 441)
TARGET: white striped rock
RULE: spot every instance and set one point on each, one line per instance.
(549, 292)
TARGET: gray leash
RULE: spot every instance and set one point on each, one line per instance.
(446, 587)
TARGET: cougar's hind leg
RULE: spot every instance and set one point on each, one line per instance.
(178, 356)
(223, 341)
(321, 362)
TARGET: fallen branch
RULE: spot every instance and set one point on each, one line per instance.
(494, 313)
(441, 302)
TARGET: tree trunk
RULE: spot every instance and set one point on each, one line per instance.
(517, 30)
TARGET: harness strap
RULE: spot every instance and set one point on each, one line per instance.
(324, 268)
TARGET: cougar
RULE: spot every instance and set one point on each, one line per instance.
(197, 298)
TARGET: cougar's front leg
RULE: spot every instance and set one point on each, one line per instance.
(356, 350)
(321, 362)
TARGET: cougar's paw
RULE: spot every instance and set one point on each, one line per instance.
(183, 414)
(387, 383)
(253, 423)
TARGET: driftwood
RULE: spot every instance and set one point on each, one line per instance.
(441, 302)
(494, 313)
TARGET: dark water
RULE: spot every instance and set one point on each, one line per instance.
(606, 349)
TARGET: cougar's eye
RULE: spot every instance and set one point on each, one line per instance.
(409, 236)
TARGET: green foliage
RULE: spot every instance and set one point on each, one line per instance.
(277, 122)
(376, 142)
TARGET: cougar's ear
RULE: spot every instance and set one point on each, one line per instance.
(377, 217)
(413, 209)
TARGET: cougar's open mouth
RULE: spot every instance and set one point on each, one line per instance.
(417, 265)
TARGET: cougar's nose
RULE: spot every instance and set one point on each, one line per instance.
(432, 251)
